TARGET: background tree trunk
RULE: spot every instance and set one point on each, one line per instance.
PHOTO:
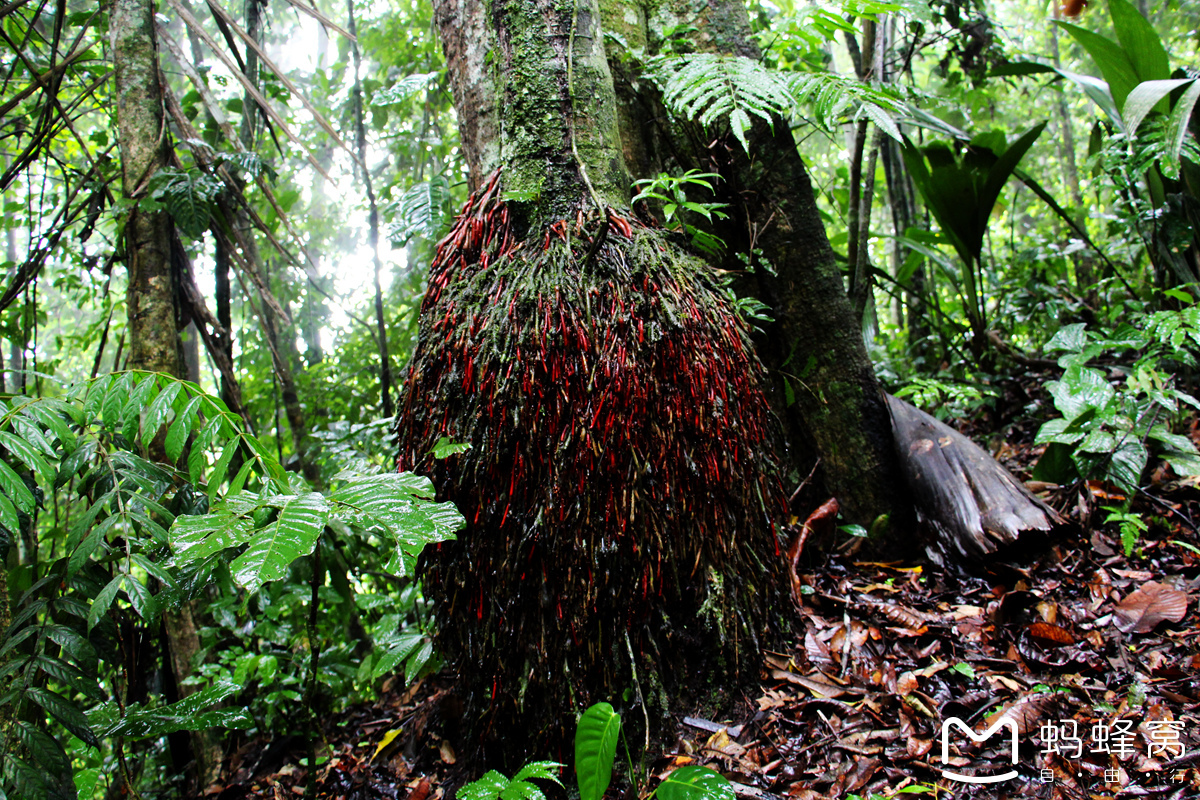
(153, 327)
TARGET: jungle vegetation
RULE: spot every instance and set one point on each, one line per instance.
(344, 342)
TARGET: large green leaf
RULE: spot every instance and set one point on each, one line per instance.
(65, 712)
(398, 504)
(178, 432)
(193, 713)
(27, 454)
(1140, 41)
(156, 412)
(1080, 389)
(1144, 97)
(293, 534)
(595, 747)
(421, 211)
(1177, 128)
(961, 189)
(194, 538)
(1114, 64)
(43, 749)
(1100, 93)
(695, 783)
(1000, 172)
(15, 489)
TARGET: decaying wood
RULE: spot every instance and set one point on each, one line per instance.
(972, 505)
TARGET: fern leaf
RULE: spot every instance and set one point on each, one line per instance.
(833, 97)
(540, 770)
(187, 196)
(738, 123)
(709, 87)
(487, 787)
(882, 120)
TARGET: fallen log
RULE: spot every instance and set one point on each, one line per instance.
(971, 504)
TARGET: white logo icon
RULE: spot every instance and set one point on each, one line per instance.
(1003, 723)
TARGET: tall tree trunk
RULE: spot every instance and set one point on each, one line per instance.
(1085, 278)
(360, 133)
(153, 328)
(153, 332)
(825, 387)
(604, 384)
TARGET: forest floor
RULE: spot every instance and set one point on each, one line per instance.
(1092, 656)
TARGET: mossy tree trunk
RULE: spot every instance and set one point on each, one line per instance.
(142, 134)
(621, 488)
(153, 328)
(825, 389)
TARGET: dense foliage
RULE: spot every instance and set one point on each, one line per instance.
(1037, 217)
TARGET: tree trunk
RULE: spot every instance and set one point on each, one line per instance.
(153, 328)
(153, 332)
(824, 384)
(620, 489)
(360, 135)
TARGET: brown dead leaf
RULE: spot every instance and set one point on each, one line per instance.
(907, 683)
(1145, 607)
(916, 747)
(773, 699)
(446, 751)
(420, 791)
(1025, 712)
(821, 688)
(1049, 635)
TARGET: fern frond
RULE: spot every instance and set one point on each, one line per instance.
(708, 87)
(836, 99)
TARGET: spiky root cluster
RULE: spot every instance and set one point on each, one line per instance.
(620, 489)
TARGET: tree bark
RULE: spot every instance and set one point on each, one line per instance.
(141, 124)
(825, 390)
(153, 328)
(604, 385)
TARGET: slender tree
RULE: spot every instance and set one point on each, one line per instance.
(153, 319)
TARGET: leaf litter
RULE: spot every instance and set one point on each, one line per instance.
(1092, 657)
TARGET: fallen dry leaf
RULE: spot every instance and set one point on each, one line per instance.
(820, 688)
(1144, 608)
(1050, 635)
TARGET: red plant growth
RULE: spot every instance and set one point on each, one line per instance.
(621, 472)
